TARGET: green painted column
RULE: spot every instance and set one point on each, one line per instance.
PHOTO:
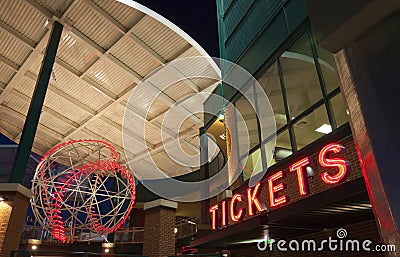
(35, 108)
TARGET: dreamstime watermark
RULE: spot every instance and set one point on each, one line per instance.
(159, 92)
(341, 243)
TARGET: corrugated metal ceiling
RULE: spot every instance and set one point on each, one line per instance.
(106, 49)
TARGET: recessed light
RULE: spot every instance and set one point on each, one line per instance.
(325, 129)
(221, 118)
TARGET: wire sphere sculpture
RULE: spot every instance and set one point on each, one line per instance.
(81, 192)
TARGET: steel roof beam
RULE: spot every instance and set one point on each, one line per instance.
(99, 115)
(61, 93)
(21, 117)
(113, 47)
(9, 63)
(27, 42)
(76, 73)
(108, 17)
(33, 58)
(148, 49)
(102, 54)
(160, 59)
(48, 110)
(9, 135)
(128, 132)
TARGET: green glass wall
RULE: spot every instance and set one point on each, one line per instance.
(306, 105)
(272, 39)
(250, 31)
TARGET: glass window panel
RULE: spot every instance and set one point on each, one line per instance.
(300, 77)
(282, 148)
(312, 127)
(269, 81)
(328, 68)
(339, 110)
(249, 121)
(253, 164)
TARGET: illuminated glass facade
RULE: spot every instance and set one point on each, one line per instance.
(302, 85)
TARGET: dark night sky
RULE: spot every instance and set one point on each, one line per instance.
(198, 18)
(4, 140)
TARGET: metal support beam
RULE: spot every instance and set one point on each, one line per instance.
(181, 52)
(35, 108)
(33, 58)
(145, 47)
(48, 110)
(106, 16)
(9, 63)
(61, 93)
(29, 43)
(21, 117)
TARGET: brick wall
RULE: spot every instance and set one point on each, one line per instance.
(12, 218)
(5, 212)
(361, 231)
(159, 235)
(369, 74)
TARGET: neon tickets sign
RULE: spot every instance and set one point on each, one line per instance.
(335, 170)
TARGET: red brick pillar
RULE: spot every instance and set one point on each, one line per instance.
(159, 225)
(369, 73)
(12, 216)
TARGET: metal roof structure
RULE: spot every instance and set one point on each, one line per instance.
(107, 48)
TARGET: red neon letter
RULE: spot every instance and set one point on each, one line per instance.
(239, 215)
(298, 167)
(341, 164)
(213, 211)
(223, 222)
(273, 202)
(252, 198)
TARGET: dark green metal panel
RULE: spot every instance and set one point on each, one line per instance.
(265, 45)
(246, 20)
(35, 108)
(251, 24)
(251, 32)
(226, 5)
(235, 14)
(296, 12)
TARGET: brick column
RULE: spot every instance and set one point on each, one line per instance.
(12, 216)
(159, 225)
(369, 70)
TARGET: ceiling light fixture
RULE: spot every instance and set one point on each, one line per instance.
(221, 118)
(324, 128)
(310, 172)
